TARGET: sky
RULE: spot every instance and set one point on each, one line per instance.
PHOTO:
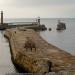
(35, 8)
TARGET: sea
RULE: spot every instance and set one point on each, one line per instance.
(64, 39)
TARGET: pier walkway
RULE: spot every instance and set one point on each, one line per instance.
(37, 61)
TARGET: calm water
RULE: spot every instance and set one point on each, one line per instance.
(6, 65)
(63, 39)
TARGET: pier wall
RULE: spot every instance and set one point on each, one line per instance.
(27, 26)
(38, 61)
(24, 61)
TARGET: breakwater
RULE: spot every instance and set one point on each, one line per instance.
(29, 26)
(32, 25)
(46, 58)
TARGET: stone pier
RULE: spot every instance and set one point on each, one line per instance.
(46, 57)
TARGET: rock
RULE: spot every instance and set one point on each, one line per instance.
(61, 26)
(50, 29)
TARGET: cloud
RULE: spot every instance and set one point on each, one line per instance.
(42, 2)
(42, 8)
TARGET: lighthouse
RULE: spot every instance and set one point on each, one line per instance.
(38, 20)
(2, 24)
(1, 17)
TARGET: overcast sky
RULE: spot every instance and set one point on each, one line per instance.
(35, 8)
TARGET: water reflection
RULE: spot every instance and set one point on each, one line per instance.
(6, 65)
